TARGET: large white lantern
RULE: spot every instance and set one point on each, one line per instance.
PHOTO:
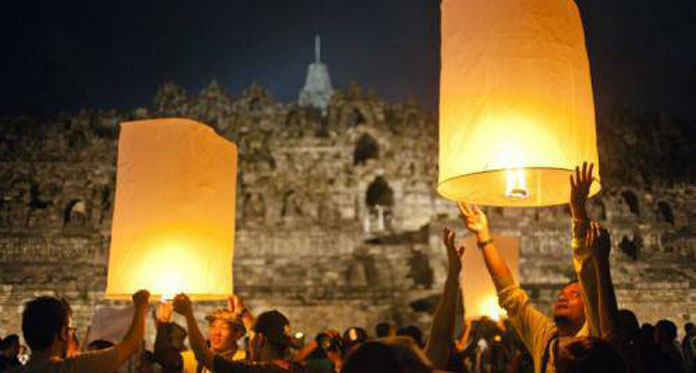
(174, 214)
(516, 106)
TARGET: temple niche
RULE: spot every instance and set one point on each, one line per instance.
(337, 208)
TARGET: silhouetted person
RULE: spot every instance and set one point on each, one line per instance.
(9, 351)
(412, 331)
(45, 325)
(666, 339)
(689, 347)
(589, 354)
(384, 329)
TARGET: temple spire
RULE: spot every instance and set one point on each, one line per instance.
(317, 90)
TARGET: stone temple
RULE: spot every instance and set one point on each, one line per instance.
(338, 223)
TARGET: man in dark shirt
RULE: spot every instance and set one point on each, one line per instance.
(269, 346)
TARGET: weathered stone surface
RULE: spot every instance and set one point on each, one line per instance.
(338, 220)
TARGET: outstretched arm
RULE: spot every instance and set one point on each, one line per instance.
(236, 305)
(531, 325)
(131, 341)
(477, 223)
(165, 354)
(442, 327)
(599, 242)
(182, 306)
(580, 184)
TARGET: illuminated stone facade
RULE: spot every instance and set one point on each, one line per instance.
(338, 220)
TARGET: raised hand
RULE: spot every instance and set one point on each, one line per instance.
(141, 299)
(580, 184)
(182, 304)
(454, 253)
(475, 220)
(235, 304)
(599, 242)
(165, 312)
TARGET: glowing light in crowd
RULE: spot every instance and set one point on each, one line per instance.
(480, 297)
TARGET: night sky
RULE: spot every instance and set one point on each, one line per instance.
(64, 55)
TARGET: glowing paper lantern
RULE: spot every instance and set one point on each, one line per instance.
(173, 224)
(516, 106)
(480, 297)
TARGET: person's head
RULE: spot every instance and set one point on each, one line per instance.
(413, 332)
(354, 336)
(690, 329)
(384, 329)
(628, 324)
(387, 355)
(225, 330)
(647, 333)
(271, 338)
(99, 344)
(177, 336)
(589, 355)
(329, 342)
(569, 309)
(665, 332)
(10, 345)
(45, 324)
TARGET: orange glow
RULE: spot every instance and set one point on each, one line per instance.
(516, 106)
(173, 226)
(480, 297)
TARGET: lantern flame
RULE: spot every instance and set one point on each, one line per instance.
(516, 184)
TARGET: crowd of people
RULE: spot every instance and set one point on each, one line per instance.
(586, 333)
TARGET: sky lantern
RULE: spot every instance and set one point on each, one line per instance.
(174, 214)
(516, 106)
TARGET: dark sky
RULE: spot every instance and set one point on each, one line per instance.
(63, 55)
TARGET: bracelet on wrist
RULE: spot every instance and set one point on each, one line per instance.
(484, 243)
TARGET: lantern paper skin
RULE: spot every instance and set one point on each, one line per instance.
(480, 297)
(174, 214)
(515, 101)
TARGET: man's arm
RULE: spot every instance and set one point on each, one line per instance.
(182, 306)
(236, 305)
(131, 341)
(531, 325)
(477, 223)
(580, 184)
(599, 242)
(442, 328)
(164, 353)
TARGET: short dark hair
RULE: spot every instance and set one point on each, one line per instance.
(12, 339)
(689, 326)
(42, 320)
(382, 329)
(589, 354)
(413, 332)
(667, 328)
(272, 325)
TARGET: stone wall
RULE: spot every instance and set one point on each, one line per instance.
(338, 220)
